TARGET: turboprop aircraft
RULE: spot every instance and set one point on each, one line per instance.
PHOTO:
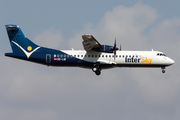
(94, 56)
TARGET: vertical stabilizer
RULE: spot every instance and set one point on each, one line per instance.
(19, 43)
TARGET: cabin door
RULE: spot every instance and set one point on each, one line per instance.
(48, 58)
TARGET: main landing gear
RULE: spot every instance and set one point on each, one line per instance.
(163, 69)
(96, 68)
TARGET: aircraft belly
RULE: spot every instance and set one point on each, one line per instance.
(140, 65)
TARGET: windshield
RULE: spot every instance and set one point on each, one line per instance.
(161, 54)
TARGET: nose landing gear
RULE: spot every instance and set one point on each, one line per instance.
(163, 69)
(96, 68)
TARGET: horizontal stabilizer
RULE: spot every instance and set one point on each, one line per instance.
(12, 27)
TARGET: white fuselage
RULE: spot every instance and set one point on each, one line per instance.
(123, 58)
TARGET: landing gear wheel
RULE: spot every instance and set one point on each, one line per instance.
(163, 71)
(96, 68)
(98, 72)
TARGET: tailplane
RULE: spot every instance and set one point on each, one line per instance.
(19, 43)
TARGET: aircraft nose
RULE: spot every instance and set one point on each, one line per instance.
(171, 61)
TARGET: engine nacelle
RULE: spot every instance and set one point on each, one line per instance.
(105, 48)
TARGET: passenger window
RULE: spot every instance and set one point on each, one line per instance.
(74, 55)
(106, 56)
(92, 55)
(109, 55)
(129, 55)
(123, 56)
(88, 55)
(119, 55)
(81, 55)
(102, 55)
(95, 55)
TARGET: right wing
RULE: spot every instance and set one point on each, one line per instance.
(90, 43)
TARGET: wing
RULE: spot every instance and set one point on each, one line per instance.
(90, 43)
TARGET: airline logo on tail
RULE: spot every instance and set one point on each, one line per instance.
(29, 48)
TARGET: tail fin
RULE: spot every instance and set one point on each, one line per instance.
(19, 43)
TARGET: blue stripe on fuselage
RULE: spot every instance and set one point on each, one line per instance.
(40, 56)
(62, 60)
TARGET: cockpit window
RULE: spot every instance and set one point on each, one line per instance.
(160, 54)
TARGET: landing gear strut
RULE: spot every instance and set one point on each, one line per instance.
(96, 68)
(163, 69)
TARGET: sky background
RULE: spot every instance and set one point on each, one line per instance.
(31, 91)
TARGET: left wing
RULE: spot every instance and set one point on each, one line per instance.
(90, 43)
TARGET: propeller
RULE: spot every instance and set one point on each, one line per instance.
(114, 49)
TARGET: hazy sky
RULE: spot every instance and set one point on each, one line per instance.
(31, 91)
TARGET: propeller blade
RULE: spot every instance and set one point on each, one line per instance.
(114, 55)
(115, 44)
(114, 49)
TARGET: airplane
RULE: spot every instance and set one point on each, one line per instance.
(94, 56)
